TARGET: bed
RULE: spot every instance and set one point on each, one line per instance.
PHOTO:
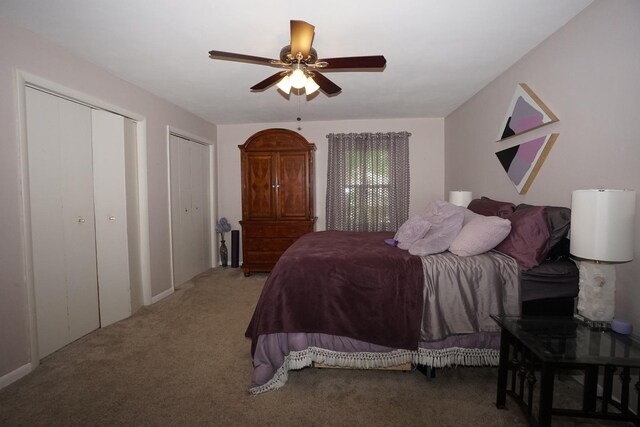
(348, 299)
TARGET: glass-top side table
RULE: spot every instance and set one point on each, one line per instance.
(546, 344)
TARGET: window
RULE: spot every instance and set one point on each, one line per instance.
(368, 181)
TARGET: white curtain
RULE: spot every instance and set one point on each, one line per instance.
(368, 181)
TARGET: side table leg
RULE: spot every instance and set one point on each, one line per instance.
(501, 394)
(590, 391)
(546, 394)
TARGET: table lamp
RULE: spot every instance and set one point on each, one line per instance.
(602, 234)
(460, 198)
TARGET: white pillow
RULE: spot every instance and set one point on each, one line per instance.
(413, 229)
(480, 234)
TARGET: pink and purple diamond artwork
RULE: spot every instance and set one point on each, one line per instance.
(522, 162)
(525, 112)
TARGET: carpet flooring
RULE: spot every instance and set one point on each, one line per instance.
(185, 361)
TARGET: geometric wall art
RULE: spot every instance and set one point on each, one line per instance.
(522, 162)
(525, 112)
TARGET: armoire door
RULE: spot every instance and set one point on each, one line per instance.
(62, 219)
(261, 184)
(190, 216)
(292, 188)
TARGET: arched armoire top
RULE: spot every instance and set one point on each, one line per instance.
(277, 139)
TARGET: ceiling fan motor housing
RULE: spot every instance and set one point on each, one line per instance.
(289, 57)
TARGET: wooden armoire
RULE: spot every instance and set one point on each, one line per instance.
(277, 195)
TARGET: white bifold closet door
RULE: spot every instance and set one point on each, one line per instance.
(110, 203)
(190, 216)
(78, 218)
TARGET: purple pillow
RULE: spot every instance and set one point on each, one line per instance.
(559, 219)
(487, 207)
(528, 241)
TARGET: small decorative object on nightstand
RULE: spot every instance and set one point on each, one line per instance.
(602, 234)
(222, 227)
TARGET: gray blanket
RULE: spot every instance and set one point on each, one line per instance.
(461, 292)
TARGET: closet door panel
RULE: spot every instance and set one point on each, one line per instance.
(110, 212)
(190, 214)
(205, 216)
(177, 234)
(47, 220)
(62, 221)
(79, 225)
(186, 192)
(197, 204)
(185, 247)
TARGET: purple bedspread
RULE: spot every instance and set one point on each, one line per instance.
(347, 284)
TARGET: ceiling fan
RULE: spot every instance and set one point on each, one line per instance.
(302, 65)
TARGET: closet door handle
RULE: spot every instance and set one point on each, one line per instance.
(112, 218)
(81, 220)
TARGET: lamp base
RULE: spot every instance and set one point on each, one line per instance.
(596, 297)
(596, 325)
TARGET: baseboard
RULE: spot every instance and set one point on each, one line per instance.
(161, 295)
(15, 375)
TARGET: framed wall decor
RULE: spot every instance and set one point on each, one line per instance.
(523, 161)
(526, 111)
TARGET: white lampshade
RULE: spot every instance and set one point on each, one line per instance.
(284, 84)
(460, 198)
(311, 86)
(602, 224)
(298, 79)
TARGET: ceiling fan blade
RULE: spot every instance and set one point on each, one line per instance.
(326, 85)
(229, 56)
(376, 61)
(301, 38)
(268, 81)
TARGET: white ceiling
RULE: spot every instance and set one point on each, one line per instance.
(439, 52)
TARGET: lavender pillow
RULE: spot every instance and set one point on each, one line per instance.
(479, 234)
(487, 207)
(528, 241)
(446, 221)
(413, 229)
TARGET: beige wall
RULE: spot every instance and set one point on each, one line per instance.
(587, 74)
(21, 50)
(426, 149)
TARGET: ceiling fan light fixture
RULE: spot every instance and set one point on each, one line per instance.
(300, 59)
(311, 86)
(298, 79)
(285, 84)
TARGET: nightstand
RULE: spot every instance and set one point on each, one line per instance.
(533, 349)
